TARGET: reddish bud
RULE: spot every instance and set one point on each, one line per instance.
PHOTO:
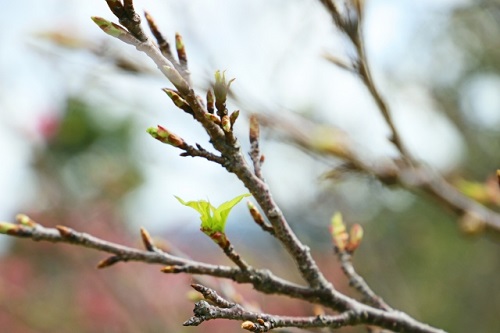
(213, 118)
(254, 128)
(147, 240)
(210, 101)
(108, 262)
(225, 123)
(355, 237)
(162, 134)
(64, 231)
(181, 49)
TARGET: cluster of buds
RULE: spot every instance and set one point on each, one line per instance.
(216, 100)
(342, 240)
(22, 228)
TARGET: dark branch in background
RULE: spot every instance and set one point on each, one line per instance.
(262, 322)
(262, 280)
(350, 24)
(416, 178)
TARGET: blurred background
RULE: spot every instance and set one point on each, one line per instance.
(75, 103)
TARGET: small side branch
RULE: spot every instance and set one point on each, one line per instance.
(349, 23)
(259, 219)
(263, 322)
(358, 283)
(262, 280)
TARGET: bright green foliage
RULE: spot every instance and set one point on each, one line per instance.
(213, 219)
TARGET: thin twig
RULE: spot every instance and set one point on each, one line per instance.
(220, 130)
(234, 256)
(414, 178)
(358, 283)
(350, 25)
(263, 322)
(262, 280)
(235, 163)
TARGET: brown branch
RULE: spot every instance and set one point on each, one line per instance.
(262, 280)
(414, 178)
(350, 24)
(234, 256)
(235, 163)
(365, 74)
(262, 322)
(199, 151)
(358, 283)
(219, 127)
(163, 43)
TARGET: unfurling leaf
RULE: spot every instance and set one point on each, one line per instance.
(355, 237)
(221, 89)
(213, 220)
(338, 232)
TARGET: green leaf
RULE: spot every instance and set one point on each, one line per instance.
(213, 219)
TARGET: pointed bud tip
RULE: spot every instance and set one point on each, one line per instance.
(248, 325)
